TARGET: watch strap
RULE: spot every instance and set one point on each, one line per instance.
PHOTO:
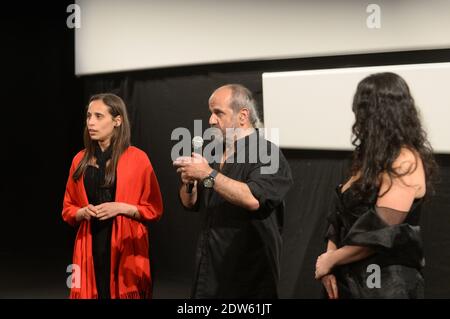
(214, 173)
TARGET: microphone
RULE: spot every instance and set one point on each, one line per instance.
(197, 143)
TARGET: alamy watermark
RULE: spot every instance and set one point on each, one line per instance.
(374, 279)
(74, 19)
(74, 280)
(373, 21)
(257, 150)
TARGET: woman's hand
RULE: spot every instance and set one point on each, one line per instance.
(86, 213)
(112, 209)
(330, 284)
(325, 264)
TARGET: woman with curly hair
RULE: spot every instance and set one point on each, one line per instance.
(374, 245)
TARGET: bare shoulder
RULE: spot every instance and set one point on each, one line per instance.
(407, 162)
(408, 165)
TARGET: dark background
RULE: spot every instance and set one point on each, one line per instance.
(43, 117)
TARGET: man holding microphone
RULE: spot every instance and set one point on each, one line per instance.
(241, 200)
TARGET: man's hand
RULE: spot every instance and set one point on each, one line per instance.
(192, 168)
(330, 284)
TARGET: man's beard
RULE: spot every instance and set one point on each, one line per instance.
(221, 136)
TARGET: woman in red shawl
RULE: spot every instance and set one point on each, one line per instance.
(111, 193)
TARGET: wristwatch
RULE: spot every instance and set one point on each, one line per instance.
(208, 182)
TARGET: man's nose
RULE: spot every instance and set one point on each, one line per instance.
(213, 119)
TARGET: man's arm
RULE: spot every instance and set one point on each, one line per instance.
(235, 192)
(197, 168)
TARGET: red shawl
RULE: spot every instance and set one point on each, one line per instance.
(136, 184)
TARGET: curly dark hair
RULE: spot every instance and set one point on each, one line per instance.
(386, 120)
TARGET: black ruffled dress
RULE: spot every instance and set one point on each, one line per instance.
(398, 249)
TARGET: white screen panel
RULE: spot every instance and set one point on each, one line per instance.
(119, 35)
(312, 109)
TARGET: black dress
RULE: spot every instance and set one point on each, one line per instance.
(101, 230)
(398, 249)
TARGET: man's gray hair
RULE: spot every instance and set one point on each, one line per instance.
(242, 97)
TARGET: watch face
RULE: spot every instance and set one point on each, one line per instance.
(208, 182)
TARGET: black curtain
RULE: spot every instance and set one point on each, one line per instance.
(42, 108)
(43, 116)
(162, 100)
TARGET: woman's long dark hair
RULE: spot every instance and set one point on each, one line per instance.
(386, 120)
(120, 139)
